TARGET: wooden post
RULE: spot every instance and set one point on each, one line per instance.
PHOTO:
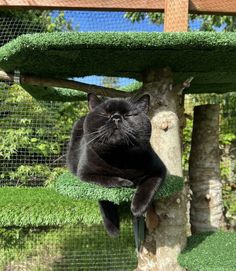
(206, 212)
(176, 15)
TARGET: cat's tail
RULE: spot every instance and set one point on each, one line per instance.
(110, 217)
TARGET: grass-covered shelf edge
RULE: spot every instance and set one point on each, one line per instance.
(71, 186)
(210, 251)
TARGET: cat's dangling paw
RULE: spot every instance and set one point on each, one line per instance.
(140, 203)
(138, 210)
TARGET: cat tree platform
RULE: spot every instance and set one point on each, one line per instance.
(69, 185)
(210, 251)
(209, 57)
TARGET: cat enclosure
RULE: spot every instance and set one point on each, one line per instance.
(49, 220)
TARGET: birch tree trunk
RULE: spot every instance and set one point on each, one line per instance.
(206, 212)
(162, 245)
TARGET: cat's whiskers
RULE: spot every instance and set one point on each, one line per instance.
(129, 140)
(129, 131)
(100, 135)
(100, 130)
(104, 138)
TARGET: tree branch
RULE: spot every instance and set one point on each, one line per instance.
(65, 83)
(181, 87)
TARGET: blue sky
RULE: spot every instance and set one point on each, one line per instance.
(108, 21)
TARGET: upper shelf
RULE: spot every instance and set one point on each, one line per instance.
(209, 57)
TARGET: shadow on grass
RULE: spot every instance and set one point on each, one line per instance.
(195, 240)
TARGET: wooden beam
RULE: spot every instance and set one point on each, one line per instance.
(176, 15)
(227, 7)
(64, 83)
(103, 5)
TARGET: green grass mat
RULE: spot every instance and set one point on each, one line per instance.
(69, 185)
(44, 207)
(210, 57)
(210, 252)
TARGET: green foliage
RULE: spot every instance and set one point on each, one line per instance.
(210, 252)
(229, 195)
(187, 134)
(59, 23)
(153, 17)
(26, 173)
(39, 18)
(12, 237)
(207, 22)
(40, 130)
(212, 22)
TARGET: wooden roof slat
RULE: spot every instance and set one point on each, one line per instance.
(227, 7)
(103, 5)
(195, 6)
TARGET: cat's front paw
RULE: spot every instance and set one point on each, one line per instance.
(120, 182)
(139, 204)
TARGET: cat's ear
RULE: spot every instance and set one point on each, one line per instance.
(143, 103)
(93, 101)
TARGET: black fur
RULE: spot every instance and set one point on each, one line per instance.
(111, 147)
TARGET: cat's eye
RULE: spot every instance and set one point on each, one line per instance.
(105, 115)
(130, 114)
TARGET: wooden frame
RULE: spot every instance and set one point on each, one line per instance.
(227, 7)
(176, 16)
(103, 5)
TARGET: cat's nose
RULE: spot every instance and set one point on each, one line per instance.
(116, 117)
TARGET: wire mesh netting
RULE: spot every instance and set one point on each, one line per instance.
(34, 136)
(69, 248)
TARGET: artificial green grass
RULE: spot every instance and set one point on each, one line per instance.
(71, 186)
(25, 207)
(210, 252)
(209, 57)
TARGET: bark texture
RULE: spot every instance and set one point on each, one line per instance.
(163, 244)
(206, 212)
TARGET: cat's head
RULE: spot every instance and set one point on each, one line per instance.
(117, 121)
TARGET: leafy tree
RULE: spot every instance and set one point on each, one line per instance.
(33, 136)
(207, 22)
(31, 21)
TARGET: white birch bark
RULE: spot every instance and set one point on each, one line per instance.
(162, 246)
(206, 212)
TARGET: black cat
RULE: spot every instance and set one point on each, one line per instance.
(111, 147)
